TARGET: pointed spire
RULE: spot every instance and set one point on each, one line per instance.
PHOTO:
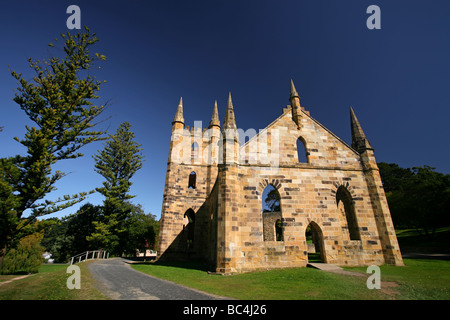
(230, 121)
(295, 105)
(230, 102)
(215, 117)
(359, 140)
(293, 91)
(179, 115)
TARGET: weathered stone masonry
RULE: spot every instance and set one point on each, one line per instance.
(337, 191)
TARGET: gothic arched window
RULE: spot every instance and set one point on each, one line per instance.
(271, 213)
(345, 205)
(302, 151)
(192, 180)
(194, 152)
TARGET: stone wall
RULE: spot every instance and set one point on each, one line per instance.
(269, 225)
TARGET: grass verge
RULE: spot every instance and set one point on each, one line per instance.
(419, 279)
(50, 284)
(280, 284)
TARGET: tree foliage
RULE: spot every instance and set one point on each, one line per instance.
(142, 231)
(418, 197)
(78, 232)
(27, 257)
(117, 163)
(272, 200)
(59, 102)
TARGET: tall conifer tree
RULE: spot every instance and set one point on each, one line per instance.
(59, 100)
(117, 163)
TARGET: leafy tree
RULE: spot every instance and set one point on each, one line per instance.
(117, 163)
(67, 237)
(428, 198)
(57, 240)
(106, 234)
(393, 177)
(81, 225)
(59, 101)
(142, 230)
(27, 257)
(418, 197)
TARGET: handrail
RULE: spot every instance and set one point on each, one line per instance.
(101, 254)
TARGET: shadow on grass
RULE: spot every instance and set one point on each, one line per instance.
(314, 257)
(412, 241)
(17, 273)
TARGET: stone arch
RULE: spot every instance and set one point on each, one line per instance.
(189, 228)
(344, 182)
(316, 248)
(302, 150)
(345, 204)
(274, 182)
(271, 214)
(192, 180)
(195, 152)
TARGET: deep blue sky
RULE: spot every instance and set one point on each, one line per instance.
(397, 79)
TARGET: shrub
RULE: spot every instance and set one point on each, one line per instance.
(26, 258)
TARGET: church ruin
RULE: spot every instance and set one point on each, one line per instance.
(323, 189)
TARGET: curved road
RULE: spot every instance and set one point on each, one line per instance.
(121, 282)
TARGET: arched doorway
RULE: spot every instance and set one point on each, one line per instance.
(189, 229)
(314, 242)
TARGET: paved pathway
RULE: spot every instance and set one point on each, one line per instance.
(14, 279)
(121, 282)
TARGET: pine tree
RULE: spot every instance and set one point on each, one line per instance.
(59, 101)
(117, 163)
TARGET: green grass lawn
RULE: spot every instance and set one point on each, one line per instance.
(419, 279)
(50, 284)
(282, 284)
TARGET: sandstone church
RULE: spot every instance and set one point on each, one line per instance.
(213, 207)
